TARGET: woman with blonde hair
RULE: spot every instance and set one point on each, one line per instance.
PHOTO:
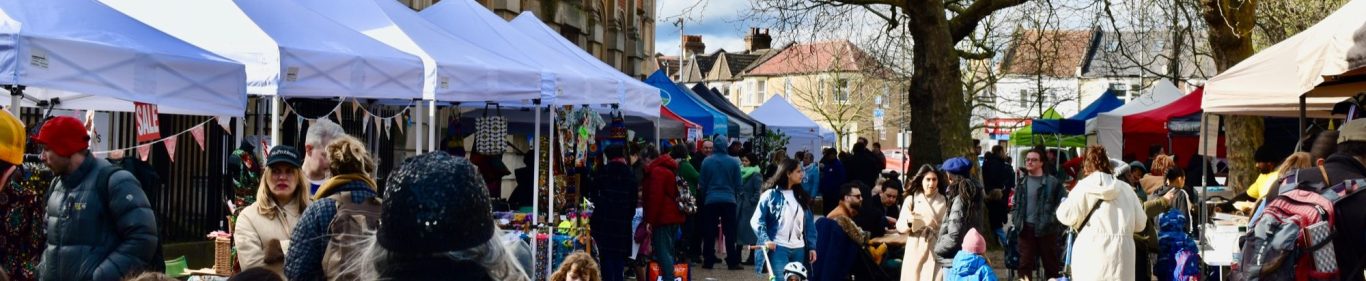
(1106, 213)
(352, 185)
(578, 266)
(262, 230)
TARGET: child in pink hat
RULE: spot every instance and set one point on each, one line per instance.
(970, 264)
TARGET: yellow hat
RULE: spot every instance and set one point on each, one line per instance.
(11, 139)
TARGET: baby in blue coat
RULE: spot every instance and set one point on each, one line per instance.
(969, 264)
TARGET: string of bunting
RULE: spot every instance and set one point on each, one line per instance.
(145, 149)
(384, 125)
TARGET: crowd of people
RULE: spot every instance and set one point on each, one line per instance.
(319, 213)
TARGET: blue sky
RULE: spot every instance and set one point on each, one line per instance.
(720, 22)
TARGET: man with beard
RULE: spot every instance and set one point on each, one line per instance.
(841, 238)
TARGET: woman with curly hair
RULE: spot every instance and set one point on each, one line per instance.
(1106, 213)
(578, 266)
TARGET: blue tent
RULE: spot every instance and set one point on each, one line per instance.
(680, 102)
(1076, 125)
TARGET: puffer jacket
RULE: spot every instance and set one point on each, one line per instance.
(964, 214)
(93, 238)
(968, 266)
(1054, 192)
(661, 192)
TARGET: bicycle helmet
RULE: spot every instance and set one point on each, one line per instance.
(794, 268)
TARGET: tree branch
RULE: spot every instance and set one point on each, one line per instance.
(965, 22)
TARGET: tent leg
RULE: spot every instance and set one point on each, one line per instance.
(276, 106)
(1204, 187)
(550, 218)
(417, 141)
(535, 179)
(431, 126)
(16, 94)
(1303, 118)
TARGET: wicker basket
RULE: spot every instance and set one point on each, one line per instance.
(222, 256)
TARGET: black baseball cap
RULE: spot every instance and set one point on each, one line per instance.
(284, 154)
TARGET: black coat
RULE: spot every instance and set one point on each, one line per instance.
(614, 192)
(1350, 242)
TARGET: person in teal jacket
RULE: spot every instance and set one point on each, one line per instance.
(720, 183)
(783, 223)
(969, 265)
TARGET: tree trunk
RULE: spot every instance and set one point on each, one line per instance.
(939, 113)
(1230, 37)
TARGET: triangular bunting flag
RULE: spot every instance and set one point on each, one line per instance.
(198, 133)
(366, 119)
(287, 111)
(399, 123)
(387, 124)
(170, 147)
(337, 111)
(143, 151)
(355, 105)
(379, 127)
(223, 122)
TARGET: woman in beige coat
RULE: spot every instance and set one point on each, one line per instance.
(1106, 238)
(263, 229)
(921, 214)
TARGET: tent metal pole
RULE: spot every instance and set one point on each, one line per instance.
(535, 178)
(16, 94)
(1303, 117)
(277, 105)
(550, 218)
(431, 126)
(417, 141)
(1204, 186)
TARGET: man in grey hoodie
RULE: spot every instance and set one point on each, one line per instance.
(721, 180)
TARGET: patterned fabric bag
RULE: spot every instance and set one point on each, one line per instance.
(686, 203)
(490, 132)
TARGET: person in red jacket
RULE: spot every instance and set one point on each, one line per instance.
(661, 208)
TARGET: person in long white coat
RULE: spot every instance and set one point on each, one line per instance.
(1107, 236)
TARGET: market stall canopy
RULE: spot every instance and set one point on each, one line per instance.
(739, 128)
(476, 23)
(91, 57)
(1353, 82)
(1027, 137)
(1108, 127)
(454, 69)
(673, 126)
(1076, 125)
(327, 59)
(710, 95)
(781, 116)
(1271, 82)
(635, 97)
(676, 100)
(1155, 121)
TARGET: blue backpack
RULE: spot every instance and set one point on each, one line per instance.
(1178, 256)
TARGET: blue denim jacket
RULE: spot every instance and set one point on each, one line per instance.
(766, 219)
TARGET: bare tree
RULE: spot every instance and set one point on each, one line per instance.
(940, 109)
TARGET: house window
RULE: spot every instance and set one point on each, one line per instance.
(1024, 98)
(1121, 90)
(751, 94)
(1134, 91)
(787, 88)
(820, 90)
(842, 91)
(763, 88)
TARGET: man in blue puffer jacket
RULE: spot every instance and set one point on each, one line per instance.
(721, 181)
(94, 232)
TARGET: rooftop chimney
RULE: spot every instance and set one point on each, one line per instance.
(758, 39)
(693, 45)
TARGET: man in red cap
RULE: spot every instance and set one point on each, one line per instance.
(99, 223)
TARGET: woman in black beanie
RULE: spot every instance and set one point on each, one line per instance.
(437, 224)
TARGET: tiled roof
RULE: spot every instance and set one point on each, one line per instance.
(1126, 54)
(1057, 53)
(817, 57)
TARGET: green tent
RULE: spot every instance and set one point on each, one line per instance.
(1026, 137)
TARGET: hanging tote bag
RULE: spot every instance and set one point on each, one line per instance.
(490, 132)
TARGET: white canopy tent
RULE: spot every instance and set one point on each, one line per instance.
(1108, 127)
(1271, 82)
(89, 56)
(636, 98)
(779, 115)
(456, 69)
(578, 84)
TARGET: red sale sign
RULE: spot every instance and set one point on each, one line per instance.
(149, 129)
